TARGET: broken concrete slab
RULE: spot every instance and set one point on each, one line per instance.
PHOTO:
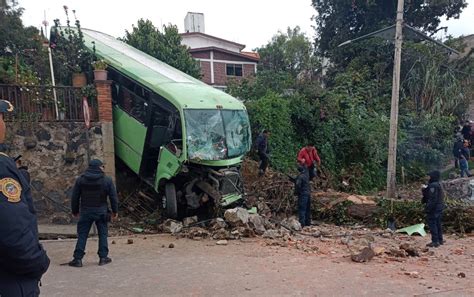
(217, 223)
(257, 223)
(190, 220)
(172, 226)
(237, 216)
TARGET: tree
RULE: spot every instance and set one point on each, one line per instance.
(290, 52)
(22, 56)
(341, 20)
(164, 45)
(287, 63)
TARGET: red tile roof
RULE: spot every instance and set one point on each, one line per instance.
(251, 54)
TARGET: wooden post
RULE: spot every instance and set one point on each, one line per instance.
(392, 141)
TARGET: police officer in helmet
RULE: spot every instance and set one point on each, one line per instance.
(89, 201)
(22, 258)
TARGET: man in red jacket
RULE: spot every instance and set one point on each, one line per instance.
(309, 156)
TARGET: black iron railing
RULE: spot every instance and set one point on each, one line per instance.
(37, 102)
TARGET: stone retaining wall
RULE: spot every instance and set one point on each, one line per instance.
(58, 157)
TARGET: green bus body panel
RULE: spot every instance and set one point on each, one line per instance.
(229, 199)
(168, 166)
(127, 155)
(129, 137)
(179, 88)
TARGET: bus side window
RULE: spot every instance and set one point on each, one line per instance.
(132, 104)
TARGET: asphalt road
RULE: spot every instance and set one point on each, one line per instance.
(148, 267)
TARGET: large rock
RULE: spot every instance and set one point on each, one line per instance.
(217, 224)
(458, 188)
(257, 223)
(292, 223)
(172, 226)
(272, 234)
(364, 256)
(190, 220)
(237, 216)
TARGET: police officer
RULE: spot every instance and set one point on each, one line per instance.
(303, 190)
(433, 197)
(22, 258)
(89, 199)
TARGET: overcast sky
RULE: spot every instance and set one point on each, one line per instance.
(251, 22)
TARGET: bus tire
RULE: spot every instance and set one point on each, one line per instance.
(171, 208)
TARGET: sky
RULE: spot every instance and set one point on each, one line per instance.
(250, 22)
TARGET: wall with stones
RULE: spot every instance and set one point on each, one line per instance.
(56, 154)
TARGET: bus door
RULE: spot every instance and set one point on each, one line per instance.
(159, 133)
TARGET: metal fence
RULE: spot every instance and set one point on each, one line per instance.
(37, 103)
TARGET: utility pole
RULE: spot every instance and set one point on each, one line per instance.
(392, 141)
(50, 55)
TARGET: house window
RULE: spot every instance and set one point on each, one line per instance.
(234, 69)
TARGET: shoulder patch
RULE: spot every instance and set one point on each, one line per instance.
(432, 190)
(11, 189)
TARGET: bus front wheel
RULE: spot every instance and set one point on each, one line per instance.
(171, 208)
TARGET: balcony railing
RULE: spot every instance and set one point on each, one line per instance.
(37, 102)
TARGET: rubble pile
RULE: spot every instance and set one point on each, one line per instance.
(357, 243)
(272, 193)
(237, 223)
(273, 196)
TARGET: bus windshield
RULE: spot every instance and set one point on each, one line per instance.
(216, 134)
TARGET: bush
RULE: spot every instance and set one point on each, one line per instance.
(273, 112)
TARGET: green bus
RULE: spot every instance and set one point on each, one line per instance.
(181, 136)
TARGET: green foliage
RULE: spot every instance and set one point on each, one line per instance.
(287, 65)
(273, 112)
(22, 56)
(290, 52)
(349, 119)
(253, 88)
(70, 53)
(99, 65)
(435, 83)
(164, 45)
(424, 142)
(89, 91)
(341, 20)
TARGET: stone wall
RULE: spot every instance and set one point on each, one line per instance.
(58, 157)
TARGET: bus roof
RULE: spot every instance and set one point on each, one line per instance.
(179, 88)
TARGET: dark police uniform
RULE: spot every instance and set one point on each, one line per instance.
(22, 258)
(89, 198)
(302, 189)
(433, 197)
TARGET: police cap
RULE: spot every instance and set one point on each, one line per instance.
(5, 106)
